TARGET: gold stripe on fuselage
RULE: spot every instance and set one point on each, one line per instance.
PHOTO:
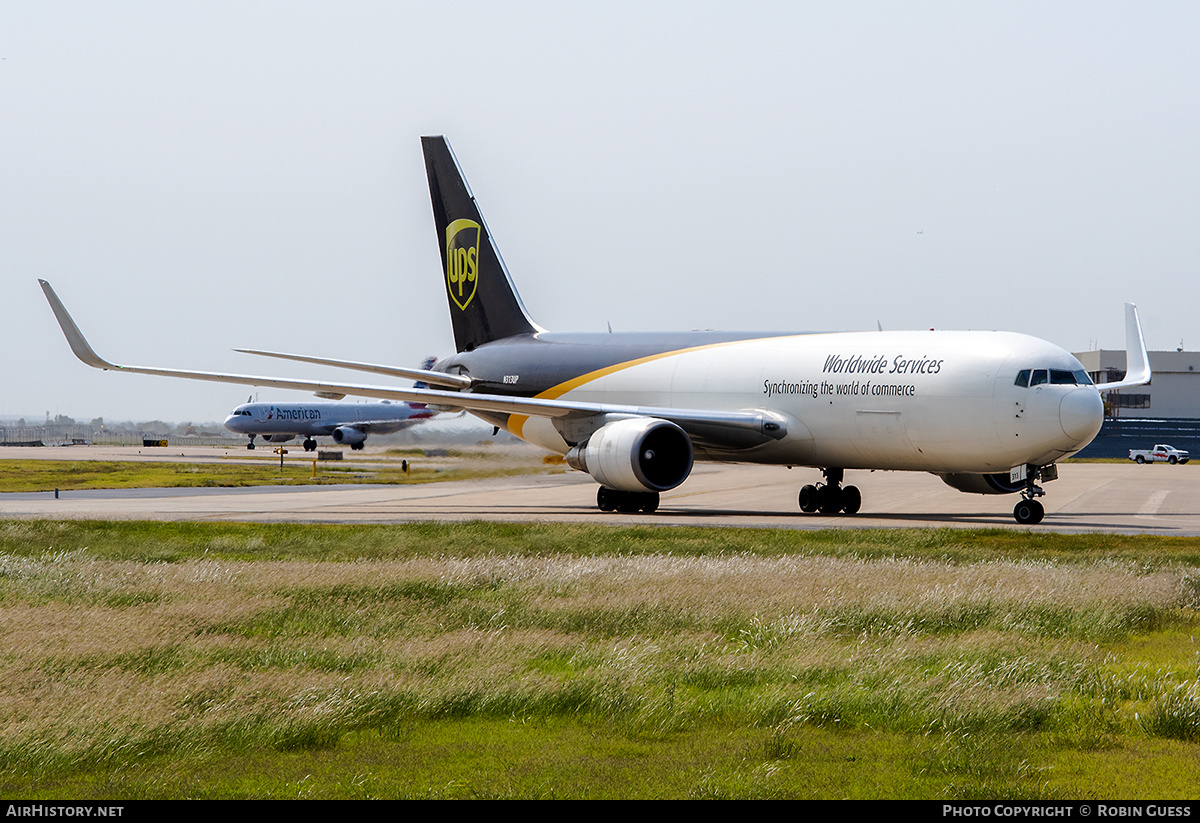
(516, 422)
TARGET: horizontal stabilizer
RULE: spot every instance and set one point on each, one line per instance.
(436, 378)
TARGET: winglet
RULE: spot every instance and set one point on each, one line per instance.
(1137, 362)
(75, 337)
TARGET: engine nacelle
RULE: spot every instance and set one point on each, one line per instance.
(983, 483)
(278, 438)
(639, 454)
(348, 436)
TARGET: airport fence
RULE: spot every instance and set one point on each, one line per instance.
(62, 435)
(156, 439)
(53, 435)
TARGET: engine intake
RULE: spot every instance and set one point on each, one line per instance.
(348, 436)
(999, 483)
(637, 454)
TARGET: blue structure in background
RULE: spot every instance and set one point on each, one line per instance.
(1120, 434)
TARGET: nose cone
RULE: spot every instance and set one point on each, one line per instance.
(1081, 415)
(232, 421)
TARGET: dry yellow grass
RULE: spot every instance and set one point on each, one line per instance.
(91, 646)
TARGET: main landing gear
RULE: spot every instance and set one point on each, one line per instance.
(831, 496)
(615, 500)
(310, 444)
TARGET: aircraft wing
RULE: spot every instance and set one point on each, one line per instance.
(699, 421)
(1137, 363)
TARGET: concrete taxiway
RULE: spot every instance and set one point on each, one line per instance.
(1104, 497)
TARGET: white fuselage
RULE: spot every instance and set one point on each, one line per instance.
(922, 401)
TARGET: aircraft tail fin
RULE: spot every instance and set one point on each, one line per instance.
(484, 304)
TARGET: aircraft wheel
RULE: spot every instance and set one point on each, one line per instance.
(1139, 459)
(851, 499)
(606, 499)
(250, 446)
(650, 502)
(629, 502)
(808, 499)
(1029, 512)
(357, 447)
(829, 499)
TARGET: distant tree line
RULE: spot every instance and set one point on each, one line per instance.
(99, 425)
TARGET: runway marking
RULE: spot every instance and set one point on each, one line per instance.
(1152, 506)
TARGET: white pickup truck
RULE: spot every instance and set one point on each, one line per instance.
(1159, 454)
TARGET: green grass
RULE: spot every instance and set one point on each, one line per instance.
(502, 660)
(48, 475)
(177, 541)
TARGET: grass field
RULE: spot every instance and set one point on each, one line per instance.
(145, 660)
(47, 475)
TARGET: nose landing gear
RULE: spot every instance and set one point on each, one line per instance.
(831, 497)
(1028, 511)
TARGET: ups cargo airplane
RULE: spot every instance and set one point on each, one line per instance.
(988, 412)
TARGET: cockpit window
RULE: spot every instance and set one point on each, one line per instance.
(1055, 377)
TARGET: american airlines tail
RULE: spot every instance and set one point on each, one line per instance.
(484, 305)
(426, 365)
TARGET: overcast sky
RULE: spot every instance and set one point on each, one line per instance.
(197, 176)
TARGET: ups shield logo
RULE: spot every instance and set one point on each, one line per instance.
(462, 260)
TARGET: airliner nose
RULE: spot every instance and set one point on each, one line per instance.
(1081, 414)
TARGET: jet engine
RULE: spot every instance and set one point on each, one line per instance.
(278, 438)
(348, 436)
(637, 454)
(983, 483)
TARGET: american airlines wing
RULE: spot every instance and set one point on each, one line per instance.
(688, 419)
(1137, 366)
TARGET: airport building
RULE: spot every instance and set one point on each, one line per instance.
(1173, 393)
(1165, 411)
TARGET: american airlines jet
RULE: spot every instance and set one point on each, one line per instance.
(987, 412)
(348, 423)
